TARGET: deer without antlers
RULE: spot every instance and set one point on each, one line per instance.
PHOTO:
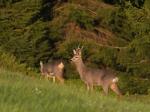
(52, 70)
(91, 77)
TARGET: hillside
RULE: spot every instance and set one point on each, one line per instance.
(113, 34)
(33, 95)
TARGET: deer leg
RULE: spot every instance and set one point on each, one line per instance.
(115, 88)
(41, 76)
(105, 89)
(54, 79)
(88, 87)
(46, 76)
(60, 79)
(91, 86)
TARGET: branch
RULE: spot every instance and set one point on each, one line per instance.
(115, 47)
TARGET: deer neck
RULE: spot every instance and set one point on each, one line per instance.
(41, 67)
(80, 68)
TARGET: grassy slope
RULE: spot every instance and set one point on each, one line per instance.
(20, 93)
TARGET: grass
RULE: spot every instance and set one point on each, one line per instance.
(20, 93)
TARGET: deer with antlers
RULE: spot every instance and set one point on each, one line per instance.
(95, 77)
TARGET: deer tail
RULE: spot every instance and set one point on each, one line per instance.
(116, 79)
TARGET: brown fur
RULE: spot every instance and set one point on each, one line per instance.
(52, 70)
(91, 77)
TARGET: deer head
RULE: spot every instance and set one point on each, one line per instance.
(77, 57)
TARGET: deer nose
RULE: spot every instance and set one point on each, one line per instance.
(71, 59)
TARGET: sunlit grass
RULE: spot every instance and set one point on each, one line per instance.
(20, 93)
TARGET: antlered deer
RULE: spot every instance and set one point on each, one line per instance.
(52, 70)
(91, 77)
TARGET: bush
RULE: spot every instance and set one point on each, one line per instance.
(81, 18)
(130, 84)
(9, 62)
(8, 2)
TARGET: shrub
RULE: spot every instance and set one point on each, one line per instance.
(81, 18)
(130, 84)
(9, 62)
(8, 2)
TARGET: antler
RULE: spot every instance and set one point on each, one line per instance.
(78, 50)
(82, 47)
(79, 47)
(74, 51)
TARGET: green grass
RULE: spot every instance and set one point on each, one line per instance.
(20, 93)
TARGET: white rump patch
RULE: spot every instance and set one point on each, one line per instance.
(115, 80)
(61, 65)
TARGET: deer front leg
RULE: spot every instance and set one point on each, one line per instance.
(89, 87)
(54, 79)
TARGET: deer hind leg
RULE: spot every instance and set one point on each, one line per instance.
(115, 88)
(105, 89)
(60, 79)
(46, 76)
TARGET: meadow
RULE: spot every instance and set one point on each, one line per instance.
(114, 33)
(22, 93)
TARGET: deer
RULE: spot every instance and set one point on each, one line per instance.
(54, 70)
(95, 77)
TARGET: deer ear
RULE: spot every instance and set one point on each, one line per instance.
(41, 63)
(74, 52)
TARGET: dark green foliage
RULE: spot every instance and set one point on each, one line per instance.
(133, 85)
(135, 3)
(141, 47)
(45, 12)
(7, 2)
(29, 43)
(119, 24)
(81, 18)
(115, 1)
(9, 62)
(122, 23)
